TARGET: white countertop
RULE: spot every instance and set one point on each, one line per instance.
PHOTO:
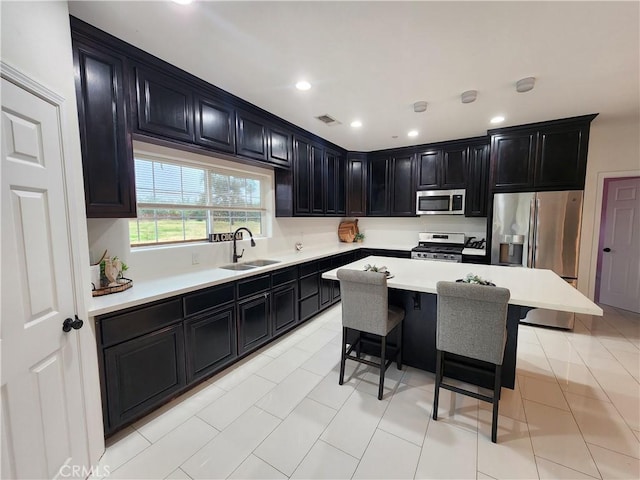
(529, 287)
(183, 282)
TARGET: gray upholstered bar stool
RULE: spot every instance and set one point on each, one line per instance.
(365, 308)
(472, 322)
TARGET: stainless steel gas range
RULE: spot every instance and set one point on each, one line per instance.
(444, 247)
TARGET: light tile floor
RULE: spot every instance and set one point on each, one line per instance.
(280, 413)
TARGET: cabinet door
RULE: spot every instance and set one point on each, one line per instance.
(215, 124)
(165, 105)
(357, 186)
(378, 188)
(403, 191)
(107, 150)
(331, 180)
(477, 191)
(562, 157)
(253, 323)
(512, 160)
(279, 152)
(454, 164)
(429, 169)
(318, 184)
(141, 373)
(210, 341)
(302, 177)
(284, 312)
(341, 185)
(251, 136)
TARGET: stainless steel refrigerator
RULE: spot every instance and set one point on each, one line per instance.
(539, 230)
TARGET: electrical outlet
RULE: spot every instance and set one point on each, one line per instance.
(195, 258)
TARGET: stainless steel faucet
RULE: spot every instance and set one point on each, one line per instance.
(235, 252)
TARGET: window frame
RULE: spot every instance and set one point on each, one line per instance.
(209, 208)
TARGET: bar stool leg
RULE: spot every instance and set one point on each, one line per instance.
(383, 349)
(496, 400)
(343, 356)
(436, 395)
(400, 341)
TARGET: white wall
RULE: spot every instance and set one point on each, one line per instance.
(36, 40)
(614, 150)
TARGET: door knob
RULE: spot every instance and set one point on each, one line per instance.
(69, 323)
(606, 249)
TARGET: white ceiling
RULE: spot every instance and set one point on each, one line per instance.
(371, 60)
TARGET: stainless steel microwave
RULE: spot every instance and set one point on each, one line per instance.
(440, 202)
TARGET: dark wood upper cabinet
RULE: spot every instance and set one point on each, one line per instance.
(107, 149)
(215, 124)
(317, 185)
(335, 196)
(378, 186)
(442, 167)
(403, 191)
(429, 164)
(302, 177)
(251, 136)
(165, 105)
(279, 147)
(357, 185)
(477, 188)
(543, 156)
(562, 156)
(513, 159)
(454, 165)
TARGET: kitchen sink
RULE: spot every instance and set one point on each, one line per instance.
(239, 266)
(261, 262)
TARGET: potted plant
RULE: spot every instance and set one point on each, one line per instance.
(359, 237)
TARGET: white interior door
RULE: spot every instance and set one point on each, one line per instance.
(620, 271)
(43, 416)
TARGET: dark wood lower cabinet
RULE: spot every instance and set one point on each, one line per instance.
(152, 353)
(284, 308)
(141, 373)
(253, 322)
(210, 342)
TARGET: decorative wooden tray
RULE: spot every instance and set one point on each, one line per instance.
(123, 284)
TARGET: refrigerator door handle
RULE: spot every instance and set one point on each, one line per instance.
(532, 228)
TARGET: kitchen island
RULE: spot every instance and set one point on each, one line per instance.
(413, 286)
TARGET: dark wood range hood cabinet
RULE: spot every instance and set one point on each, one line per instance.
(125, 93)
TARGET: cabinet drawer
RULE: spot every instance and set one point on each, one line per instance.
(125, 326)
(209, 298)
(309, 285)
(283, 276)
(254, 285)
(308, 268)
(324, 265)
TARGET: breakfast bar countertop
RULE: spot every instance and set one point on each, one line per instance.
(530, 287)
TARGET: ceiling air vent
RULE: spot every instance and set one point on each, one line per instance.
(328, 120)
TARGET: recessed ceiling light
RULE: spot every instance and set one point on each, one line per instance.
(413, 133)
(356, 124)
(182, 2)
(498, 119)
(303, 85)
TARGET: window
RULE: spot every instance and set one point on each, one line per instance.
(180, 202)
